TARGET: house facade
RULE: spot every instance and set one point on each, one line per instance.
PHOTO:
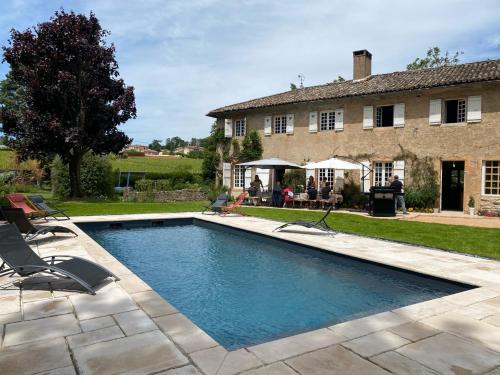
(450, 115)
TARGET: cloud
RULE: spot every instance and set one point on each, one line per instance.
(185, 58)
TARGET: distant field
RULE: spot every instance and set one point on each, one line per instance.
(141, 164)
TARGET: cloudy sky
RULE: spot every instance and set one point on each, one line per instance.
(186, 57)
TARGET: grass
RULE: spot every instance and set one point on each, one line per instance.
(471, 240)
(157, 165)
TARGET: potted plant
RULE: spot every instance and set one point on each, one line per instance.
(471, 205)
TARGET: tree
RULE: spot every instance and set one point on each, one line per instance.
(211, 157)
(293, 86)
(172, 143)
(74, 96)
(434, 59)
(251, 147)
(339, 79)
(155, 145)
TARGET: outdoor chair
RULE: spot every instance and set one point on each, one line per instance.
(230, 207)
(39, 202)
(19, 258)
(17, 200)
(320, 224)
(216, 206)
(16, 216)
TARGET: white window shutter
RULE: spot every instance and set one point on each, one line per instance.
(248, 177)
(365, 172)
(339, 119)
(399, 115)
(268, 125)
(313, 122)
(474, 108)
(226, 175)
(368, 117)
(435, 112)
(228, 128)
(289, 123)
(399, 169)
(309, 173)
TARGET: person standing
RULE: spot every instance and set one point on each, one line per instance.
(397, 185)
(259, 186)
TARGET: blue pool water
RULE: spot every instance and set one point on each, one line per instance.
(244, 289)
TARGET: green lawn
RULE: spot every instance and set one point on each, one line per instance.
(471, 240)
(158, 165)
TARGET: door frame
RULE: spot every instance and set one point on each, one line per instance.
(441, 185)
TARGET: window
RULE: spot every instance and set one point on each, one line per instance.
(385, 116)
(239, 176)
(327, 120)
(327, 175)
(382, 173)
(491, 177)
(239, 128)
(280, 124)
(454, 111)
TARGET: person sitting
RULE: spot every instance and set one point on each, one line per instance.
(252, 190)
(311, 188)
(287, 194)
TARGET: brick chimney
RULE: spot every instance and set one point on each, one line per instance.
(362, 64)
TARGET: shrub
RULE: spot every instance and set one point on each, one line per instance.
(133, 153)
(296, 178)
(353, 197)
(97, 177)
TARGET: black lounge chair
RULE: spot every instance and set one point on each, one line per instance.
(39, 203)
(19, 258)
(320, 224)
(216, 206)
(16, 216)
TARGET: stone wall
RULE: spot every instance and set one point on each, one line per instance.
(490, 203)
(130, 195)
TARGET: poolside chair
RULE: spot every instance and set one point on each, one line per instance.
(16, 216)
(19, 258)
(38, 202)
(230, 207)
(216, 206)
(320, 224)
(17, 200)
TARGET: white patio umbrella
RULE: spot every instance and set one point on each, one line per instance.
(333, 163)
(272, 163)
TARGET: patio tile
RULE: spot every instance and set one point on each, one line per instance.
(335, 360)
(41, 329)
(93, 337)
(479, 310)
(139, 354)
(10, 304)
(186, 370)
(10, 318)
(153, 304)
(448, 354)
(97, 323)
(369, 324)
(399, 364)
(133, 284)
(278, 368)
(185, 333)
(133, 322)
(295, 345)
(493, 320)
(471, 296)
(35, 295)
(44, 308)
(117, 268)
(494, 372)
(46, 355)
(110, 302)
(414, 331)
(467, 327)
(425, 309)
(70, 370)
(221, 362)
(375, 343)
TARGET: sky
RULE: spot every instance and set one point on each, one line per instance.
(187, 57)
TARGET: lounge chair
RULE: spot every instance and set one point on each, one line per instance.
(16, 216)
(230, 207)
(17, 200)
(320, 224)
(216, 206)
(19, 258)
(39, 202)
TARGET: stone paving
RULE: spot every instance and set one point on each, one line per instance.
(49, 326)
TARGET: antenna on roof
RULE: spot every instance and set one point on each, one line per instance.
(301, 81)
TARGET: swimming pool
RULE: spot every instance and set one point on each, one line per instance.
(244, 289)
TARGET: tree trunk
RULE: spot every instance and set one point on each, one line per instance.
(74, 176)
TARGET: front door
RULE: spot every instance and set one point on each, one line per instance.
(452, 186)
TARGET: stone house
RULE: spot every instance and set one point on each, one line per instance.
(450, 115)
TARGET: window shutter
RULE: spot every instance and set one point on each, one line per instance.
(474, 108)
(289, 123)
(226, 175)
(399, 115)
(435, 112)
(248, 177)
(339, 119)
(399, 169)
(268, 125)
(309, 173)
(365, 171)
(313, 122)
(368, 117)
(228, 128)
